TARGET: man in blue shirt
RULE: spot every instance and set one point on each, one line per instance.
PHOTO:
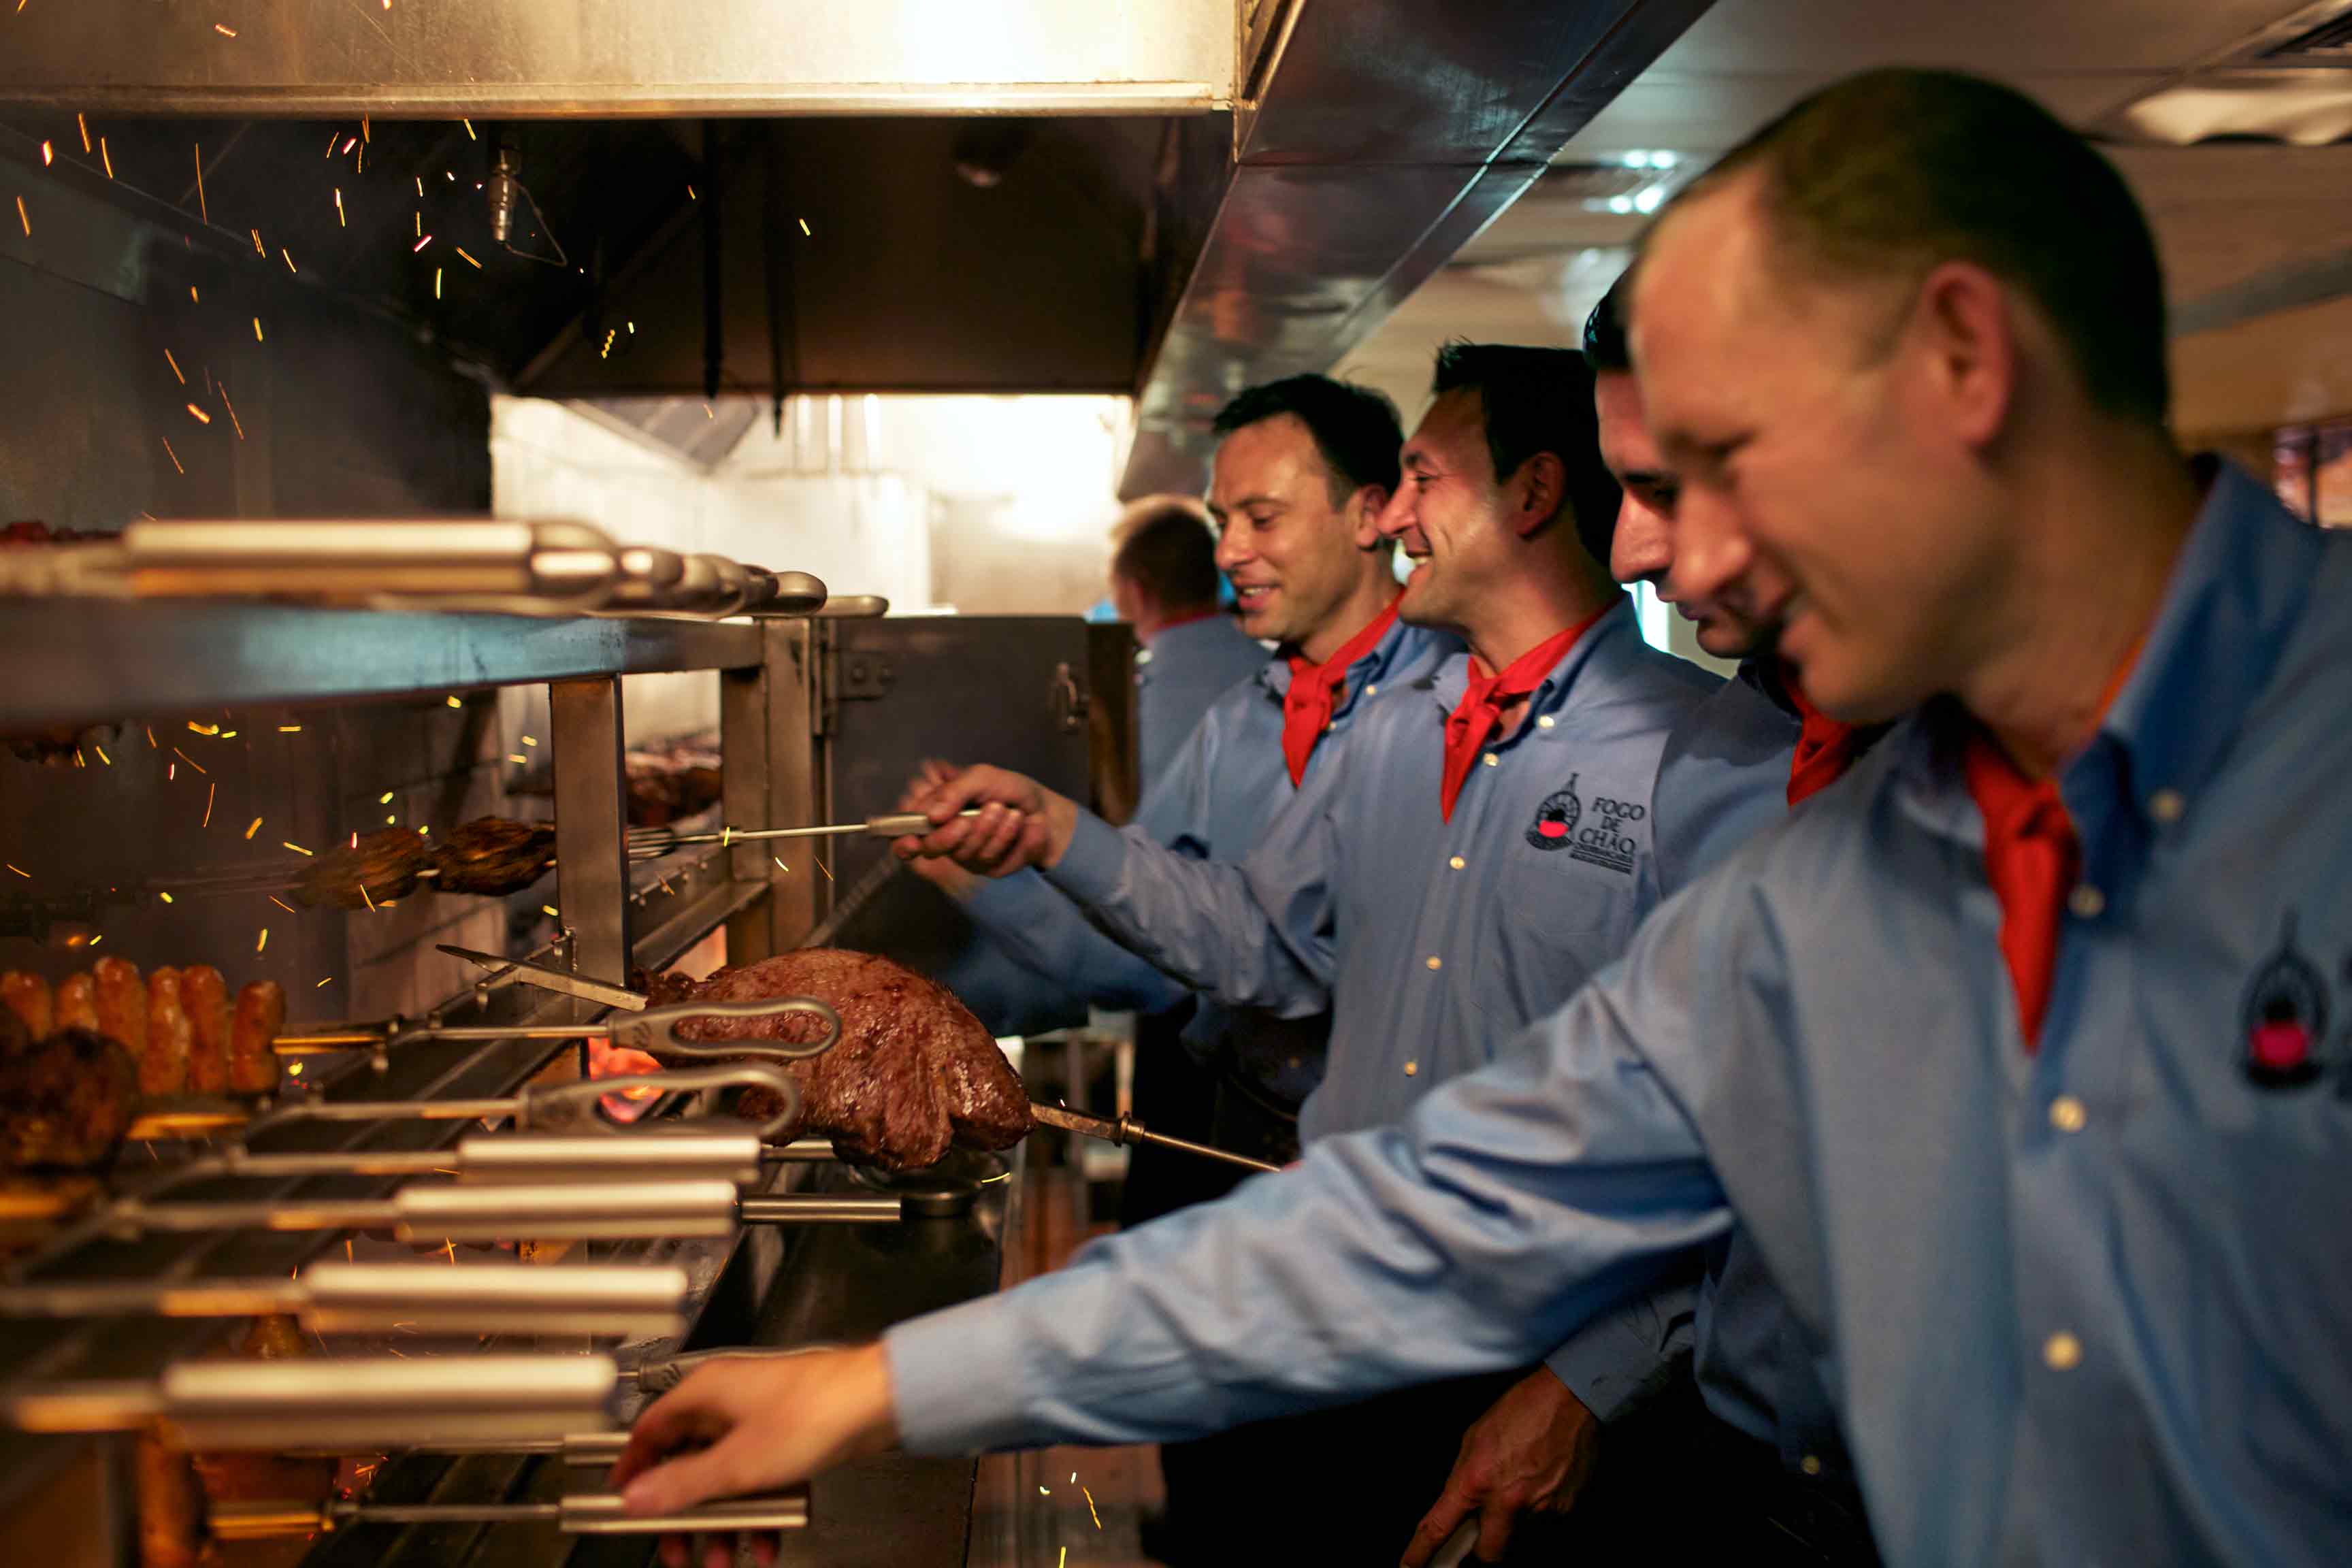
(1163, 579)
(1303, 468)
(2012, 1051)
(1374, 893)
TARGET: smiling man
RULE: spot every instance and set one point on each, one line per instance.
(2011, 1051)
(1477, 847)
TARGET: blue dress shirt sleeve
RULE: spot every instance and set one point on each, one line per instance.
(1630, 1351)
(1511, 1207)
(1255, 935)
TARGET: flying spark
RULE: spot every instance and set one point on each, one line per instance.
(175, 366)
(288, 259)
(469, 129)
(690, 196)
(804, 228)
(201, 416)
(436, 283)
(331, 138)
(294, 846)
(101, 754)
(224, 30)
(263, 941)
(209, 790)
(47, 157)
(200, 211)
(517, 758)
(420, 245)
(365, 899)
(252, 828)
(187, 759)
(258, 248)
(461, 250)
(420, 223)
(281, 903)
(106, 157)
(165, 897)
(609, 336)
(452, 701)
(18, 869)
(171, 771)
(550, 910)
(191, 295)
(24, 217)
(531, 740)
(171, 454)
(420, 187)
(330, 980)
(257, 331)
(384, 799)
(83, 126)
(350, 142)
(363, 130)
(239, 426)
(341, 220)
(289, 729)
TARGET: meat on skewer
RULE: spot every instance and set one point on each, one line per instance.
(260, 1019)
(205, 997)
(28, 996)
(493, 857)
(382, 867)
(76, 1002)
(64, 1101)
(164, 1069)
(913, 1072)
(121, 1005)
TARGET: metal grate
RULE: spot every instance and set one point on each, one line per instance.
(2328, 44)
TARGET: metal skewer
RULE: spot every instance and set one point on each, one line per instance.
(376, 1297)
(653, 1031)
(582, 1513)
(1128, 1129)
(898, 826)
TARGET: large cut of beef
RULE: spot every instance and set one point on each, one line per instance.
(913, 1072)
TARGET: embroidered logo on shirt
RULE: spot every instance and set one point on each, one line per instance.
(1602, 836)
(1556, 818)
(2284, 1017)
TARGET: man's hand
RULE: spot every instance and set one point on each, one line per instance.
(1531, 1451)
(1020, 823)
(751, 1425)
(942, 873)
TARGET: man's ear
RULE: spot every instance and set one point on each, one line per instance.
(1364, 509)
(1969, 329)
(1538, 493)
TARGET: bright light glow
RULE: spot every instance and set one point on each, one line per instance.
(1621, 204)
(1651, 612)
(1651, 198)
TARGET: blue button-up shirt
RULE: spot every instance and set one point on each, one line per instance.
(1723, 779)
(2088, 1304)
(1430, 941)
(1188, 666)
(1213, 803)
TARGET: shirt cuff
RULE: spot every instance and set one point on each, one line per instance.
(1618, 1359)
(956, 1379)
(1090, 868)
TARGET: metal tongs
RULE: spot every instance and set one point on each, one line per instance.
(653, 1031)
(578, 1513)
(649, 841)
(552, 1107)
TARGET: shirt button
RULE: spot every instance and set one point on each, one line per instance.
(1544, 721)
(1435, 961)
(1457, 862)
(2086, 901)
(1411, 1068)
(1373, 689)
(2066, 1114)
(1811, 1464)
(1491, 759)
(2061, 1351)
(2166, 806)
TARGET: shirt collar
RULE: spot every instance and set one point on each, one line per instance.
(2236, 594)
(1275, 674)
(1453, 677)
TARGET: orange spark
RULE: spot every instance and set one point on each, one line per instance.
(436, 283)
(84, 126)
(281, 903)
(252, 828)
(258, 248)
(420, 245)
(175, 366)
(24, 217)
(236, 426)
(263, 941)
(288, 259)
(294, 846)
(225, 30)
(187, 759)
(257, 331)
(171, 454)
(461, 250)
(18, 869)
(47, 157)
(200, 210)
(468, 124)
(339, 220)
(106, 157)
(207, 822)
(201, 417)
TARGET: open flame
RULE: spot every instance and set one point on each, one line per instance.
(608, 1060)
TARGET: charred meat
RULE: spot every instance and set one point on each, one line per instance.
(492, 856)
(380, 868)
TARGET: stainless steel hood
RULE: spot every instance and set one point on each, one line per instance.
(1170, 198)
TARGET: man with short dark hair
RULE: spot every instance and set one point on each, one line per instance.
(2011, 1051)
(1481, 847)
(1163, 582)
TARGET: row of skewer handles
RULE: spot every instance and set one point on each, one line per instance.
(515, 568)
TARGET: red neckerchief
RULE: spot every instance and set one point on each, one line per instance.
(2032, 858)
(1826, 747)
(1483, 702)
(1316, 689)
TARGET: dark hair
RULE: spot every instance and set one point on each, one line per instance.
(1894, 172)
(1538, 400)
(1355, 429)
(1606, 352)
(1165, 548)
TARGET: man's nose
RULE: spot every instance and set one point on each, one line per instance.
(1231, 548)
(1397, 515)
(1710, 553)
(1642, 547)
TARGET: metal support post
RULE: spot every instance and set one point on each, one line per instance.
(592, 866)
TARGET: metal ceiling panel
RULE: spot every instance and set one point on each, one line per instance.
(615, 58)
(1389, 134)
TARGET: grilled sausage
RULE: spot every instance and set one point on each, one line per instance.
(164, 1068)
(203, 994)
(260, 1019)
(121, 1005)
(28, 996)
(171, 1506)
(76, 1002)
